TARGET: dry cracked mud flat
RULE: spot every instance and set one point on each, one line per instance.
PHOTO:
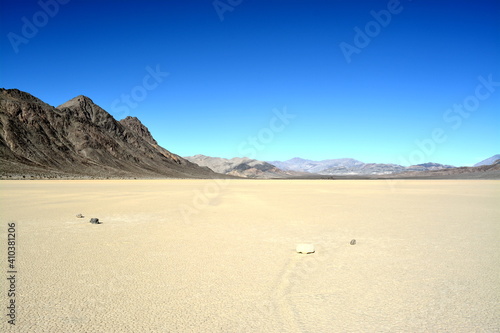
(219, 256)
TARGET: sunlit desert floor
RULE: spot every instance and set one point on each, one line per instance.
(219, 256)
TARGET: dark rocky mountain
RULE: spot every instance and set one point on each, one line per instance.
(80, 139)
(350, 166)
(135, 126)
(241, 167)
(489, 161)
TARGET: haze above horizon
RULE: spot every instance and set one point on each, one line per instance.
(402, 82)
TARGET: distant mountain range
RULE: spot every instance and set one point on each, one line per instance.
(488, 161)
(349, 166)
(241, 167)
(303, 165)
(490, 171)
(80, 139)
(344, 167)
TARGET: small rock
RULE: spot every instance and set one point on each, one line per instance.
(95, 220)
(353, 242)
(305, 248)
(80, 216)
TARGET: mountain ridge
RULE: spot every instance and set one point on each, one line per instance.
(489, 161)
(80, 139)
(240, 166)
(351, 166)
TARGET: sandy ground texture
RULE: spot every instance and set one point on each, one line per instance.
(219, 256)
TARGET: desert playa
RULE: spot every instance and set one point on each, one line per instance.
(219, 255)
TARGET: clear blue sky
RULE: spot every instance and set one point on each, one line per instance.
(225, 77)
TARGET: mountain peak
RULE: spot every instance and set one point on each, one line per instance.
(82, 106)
(76, 101)
(18, 95)
(136, 126)
(488, 161)
(297, 159)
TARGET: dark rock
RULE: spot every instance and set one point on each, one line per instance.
(353, 242)
(95, 220)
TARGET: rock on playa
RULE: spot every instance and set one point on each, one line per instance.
(305, 248)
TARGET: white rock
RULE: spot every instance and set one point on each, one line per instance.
(305, 248)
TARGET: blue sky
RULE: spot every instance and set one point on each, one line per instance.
(210, 77)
